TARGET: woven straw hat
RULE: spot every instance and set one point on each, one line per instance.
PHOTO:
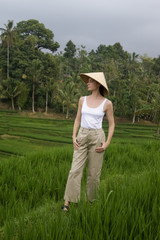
(97, 76)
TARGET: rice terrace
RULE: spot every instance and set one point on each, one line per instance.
(36, 156)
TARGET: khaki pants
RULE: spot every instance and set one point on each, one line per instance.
(89, 140)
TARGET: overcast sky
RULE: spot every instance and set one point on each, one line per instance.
(133, 23)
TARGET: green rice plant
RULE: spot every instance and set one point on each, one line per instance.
(32, 184)
(21, 181)
(20, 135)
(32, 189)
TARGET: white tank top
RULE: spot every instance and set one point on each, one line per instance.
(91, 118)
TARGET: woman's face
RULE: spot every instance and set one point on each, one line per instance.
(92, 84)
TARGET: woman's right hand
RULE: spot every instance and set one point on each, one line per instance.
(75, 143)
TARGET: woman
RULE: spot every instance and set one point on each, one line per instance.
(90, 142)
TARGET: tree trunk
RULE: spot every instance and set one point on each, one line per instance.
(134, 116)
(33, 98)
(8, 60)
(12, 99)
(46, 101)
(67, 114)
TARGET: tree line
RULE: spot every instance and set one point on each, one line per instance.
(33, 74)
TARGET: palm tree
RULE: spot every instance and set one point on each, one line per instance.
(11, 88)
(48, 85)
(68, 96)
(8, 37)
(49, 75)
(152, 108)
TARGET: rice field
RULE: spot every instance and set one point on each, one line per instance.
(35, 159)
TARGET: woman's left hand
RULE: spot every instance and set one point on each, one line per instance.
(102, 148)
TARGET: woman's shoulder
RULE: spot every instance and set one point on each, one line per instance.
(108, 104)
(81, 99)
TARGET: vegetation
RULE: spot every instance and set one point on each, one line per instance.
(36, 154)
(33, 75)
(21, 135)
(34, 173)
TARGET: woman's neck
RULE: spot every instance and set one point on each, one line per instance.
(96, 94)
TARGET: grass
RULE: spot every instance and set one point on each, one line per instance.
(22, 135)
(32, 184)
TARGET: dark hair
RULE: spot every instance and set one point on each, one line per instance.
(101, 90)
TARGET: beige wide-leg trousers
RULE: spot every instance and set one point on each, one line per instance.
(89, 140)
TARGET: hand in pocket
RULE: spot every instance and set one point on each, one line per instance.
(75, 143)
(101, 148)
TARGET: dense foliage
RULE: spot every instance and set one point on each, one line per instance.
(33, 75)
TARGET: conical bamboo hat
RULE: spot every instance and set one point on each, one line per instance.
(97, 76)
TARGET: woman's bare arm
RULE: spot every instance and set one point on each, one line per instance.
(77, 123)
(110, 117)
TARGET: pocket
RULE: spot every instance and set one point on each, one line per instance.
(99, 138)
(79, 137)
(103, 137)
